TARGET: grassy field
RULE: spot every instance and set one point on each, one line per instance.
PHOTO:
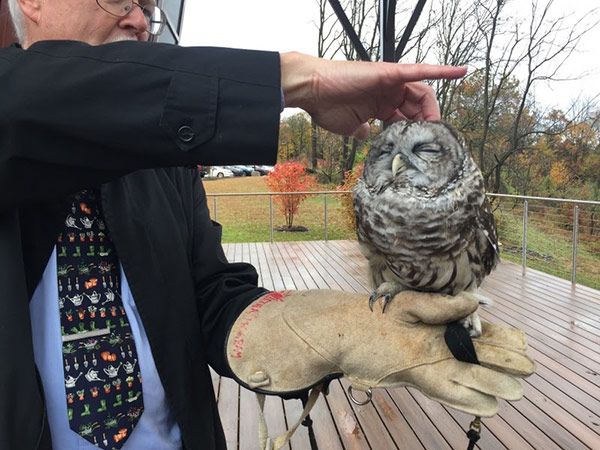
(246, 219)
(549, 247)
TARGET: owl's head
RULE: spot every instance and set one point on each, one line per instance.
(422, 156)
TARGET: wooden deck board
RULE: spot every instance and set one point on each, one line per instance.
(326, 430)
(421, 424)
(228, 404)
(561, 404)
(448, 425)
(397, 425)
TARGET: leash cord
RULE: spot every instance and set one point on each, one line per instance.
(474, 433)
(308, 423)
(460, 344)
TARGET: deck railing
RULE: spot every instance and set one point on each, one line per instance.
(557, 236)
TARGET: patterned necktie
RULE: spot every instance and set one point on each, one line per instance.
(102, 378)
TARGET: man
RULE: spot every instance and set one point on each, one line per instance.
(111, 326)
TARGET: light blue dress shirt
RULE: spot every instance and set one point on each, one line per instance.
(156, 429)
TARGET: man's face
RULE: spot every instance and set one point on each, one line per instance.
(84, 20)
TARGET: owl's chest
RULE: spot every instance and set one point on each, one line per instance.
(422, 248)
(412, 232)
(449, 272)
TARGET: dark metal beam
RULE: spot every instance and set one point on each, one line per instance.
(387, 29)
(339, 12)
(409, 29)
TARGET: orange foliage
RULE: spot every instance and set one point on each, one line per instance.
(350, 179)
(290, 177)
(560, 173)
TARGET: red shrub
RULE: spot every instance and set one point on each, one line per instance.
(290, 177)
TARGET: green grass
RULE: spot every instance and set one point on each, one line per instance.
(549, 248)
(246, 219)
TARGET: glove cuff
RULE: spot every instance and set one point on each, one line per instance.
(267, 356)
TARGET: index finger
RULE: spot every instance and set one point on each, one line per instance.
(420, 72)
(512, 362)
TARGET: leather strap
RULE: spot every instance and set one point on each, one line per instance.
(266, 443)
(460, 344)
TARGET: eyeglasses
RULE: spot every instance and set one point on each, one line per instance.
(155, 18)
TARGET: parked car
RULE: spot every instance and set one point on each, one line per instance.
(236, 171)
(247, 170)
(264, 170)
(202, 171)
(268, 168)
(219, 172)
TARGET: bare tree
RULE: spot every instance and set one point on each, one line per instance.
(328, 31)
(547, 46)
(458, 39)
(510, 50)
(364, 18)
(419, 45)
(327, 46)
(510, 53)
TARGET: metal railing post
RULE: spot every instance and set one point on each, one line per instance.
(325, 214)
(215, 207)
(575, 234)
(524, 254)
(271, 215)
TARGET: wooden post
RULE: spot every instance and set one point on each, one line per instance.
(575, 235)
(524, 246)
(7, 34)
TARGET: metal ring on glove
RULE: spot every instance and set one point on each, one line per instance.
(368, 392)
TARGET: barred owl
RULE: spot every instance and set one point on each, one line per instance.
(423, 219)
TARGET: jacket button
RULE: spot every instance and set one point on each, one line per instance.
(185, 133)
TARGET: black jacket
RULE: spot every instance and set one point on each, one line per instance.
(129, 116)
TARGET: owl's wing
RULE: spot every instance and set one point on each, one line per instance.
(488, 240)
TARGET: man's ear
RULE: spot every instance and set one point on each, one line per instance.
(31, 9)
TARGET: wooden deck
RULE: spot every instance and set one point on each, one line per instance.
(561, 404)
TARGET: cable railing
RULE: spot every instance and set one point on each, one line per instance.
(557, 236)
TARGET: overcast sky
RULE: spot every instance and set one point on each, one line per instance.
(286, 25)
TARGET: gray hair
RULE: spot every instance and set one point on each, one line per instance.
(18, 20)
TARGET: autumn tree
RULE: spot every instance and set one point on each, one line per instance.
(511, 48)
(510, 51)
(290, 177)
(363, 16)
(294, 137)
(330, 164)
(350, 179)
(328, 33)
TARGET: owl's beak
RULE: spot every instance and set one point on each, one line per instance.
(397, 165)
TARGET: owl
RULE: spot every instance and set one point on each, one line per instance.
(423, 220)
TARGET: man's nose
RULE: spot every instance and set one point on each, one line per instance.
(135, 19)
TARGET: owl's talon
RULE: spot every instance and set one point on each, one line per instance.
(386, 301)
(474, 334)
(472, 323)
(387, 290)
(374, 296)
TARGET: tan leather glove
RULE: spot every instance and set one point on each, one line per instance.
(286, 342)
